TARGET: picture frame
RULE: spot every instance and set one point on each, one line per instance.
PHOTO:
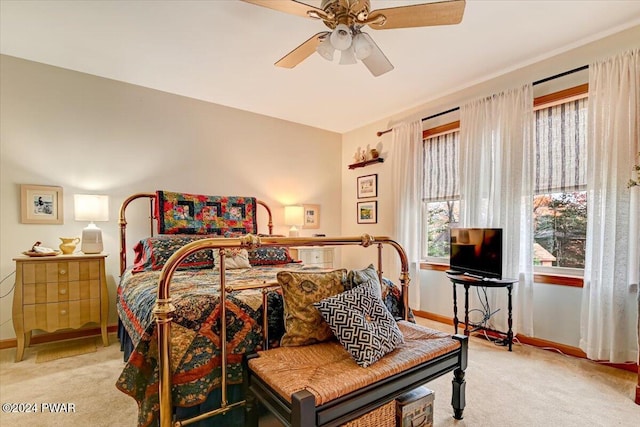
(367, 212)
(368, 186)
(311, 215)
(41, 204)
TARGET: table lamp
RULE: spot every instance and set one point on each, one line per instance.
(293, 216)
(91, 207)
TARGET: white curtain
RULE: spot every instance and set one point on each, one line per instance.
(496, 157)
(612, 146)
(406, 154)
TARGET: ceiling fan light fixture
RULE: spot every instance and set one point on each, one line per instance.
(326, 49)
(348, 57)
(341, 37)
(361, 46)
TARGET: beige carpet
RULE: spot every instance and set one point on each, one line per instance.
(70, 348)
(528, 387)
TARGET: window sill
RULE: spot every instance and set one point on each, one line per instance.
(546, 278)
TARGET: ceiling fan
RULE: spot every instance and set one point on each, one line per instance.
(346, 18)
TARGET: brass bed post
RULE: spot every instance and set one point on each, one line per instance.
(123, 226)
(270, 224)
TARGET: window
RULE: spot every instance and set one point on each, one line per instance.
(560, 202)
(440, 193)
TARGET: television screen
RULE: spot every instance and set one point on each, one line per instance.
(477, 251)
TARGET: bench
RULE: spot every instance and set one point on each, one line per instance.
(321, 385)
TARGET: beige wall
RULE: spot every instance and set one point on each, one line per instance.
(553, 305)
(89, 134)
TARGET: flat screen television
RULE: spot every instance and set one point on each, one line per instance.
(476, 252)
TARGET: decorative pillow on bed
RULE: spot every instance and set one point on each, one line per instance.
(302, 321)
(269, 256)
(362, 323)
(234, 258)
(181, 213)
(152, 253)
(358, 277)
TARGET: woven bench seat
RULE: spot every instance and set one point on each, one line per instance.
(321, 384)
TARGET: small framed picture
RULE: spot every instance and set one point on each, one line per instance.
(368, 186)
(41, 204)
(368, 212)
(311, 216)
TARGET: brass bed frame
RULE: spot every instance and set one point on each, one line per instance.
(164, 309)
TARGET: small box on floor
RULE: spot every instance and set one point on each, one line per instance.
(415, 408)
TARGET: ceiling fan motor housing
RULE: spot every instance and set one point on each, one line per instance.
(348, 12)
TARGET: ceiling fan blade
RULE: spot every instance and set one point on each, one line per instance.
(302, 52)
(419, 15)
(376, 62)
(288, 6)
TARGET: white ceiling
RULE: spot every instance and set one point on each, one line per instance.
(223, 51)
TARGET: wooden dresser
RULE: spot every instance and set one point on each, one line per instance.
(320, 256)
(59, 292)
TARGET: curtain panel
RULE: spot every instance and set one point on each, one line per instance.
(611, 264)
(496, 157)
(407, 182)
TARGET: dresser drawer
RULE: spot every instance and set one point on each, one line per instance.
(65, 271)
(69, 314)
(40, 293)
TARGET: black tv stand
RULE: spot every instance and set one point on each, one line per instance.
(467, 281)
(454, 272)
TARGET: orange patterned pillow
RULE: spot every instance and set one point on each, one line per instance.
(303, 322)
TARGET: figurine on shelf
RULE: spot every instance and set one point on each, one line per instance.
(360, 156)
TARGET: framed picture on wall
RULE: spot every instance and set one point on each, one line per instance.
(368, 186)
(41, 204)
(368, 212)
(311, 216)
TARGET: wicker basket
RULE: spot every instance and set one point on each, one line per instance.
(384, 416)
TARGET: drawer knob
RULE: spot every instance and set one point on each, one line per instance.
(63, 271)
(63, 312)
(63, 291)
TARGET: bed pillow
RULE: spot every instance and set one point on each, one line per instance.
(362, 323)
(358, 277)
(152, 253)
(303, 323)
(234, 258)
(269, 256)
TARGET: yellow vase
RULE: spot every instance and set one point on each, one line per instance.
(68, 244)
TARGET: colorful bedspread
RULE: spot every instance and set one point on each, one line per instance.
(195, 331)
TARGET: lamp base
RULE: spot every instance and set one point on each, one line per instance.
(294, 232)
(91, 240)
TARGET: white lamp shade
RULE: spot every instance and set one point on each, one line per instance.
(347, 57)
(293, 216)
(341, 37)
(325, 49)
(91, 207)
(361, 46)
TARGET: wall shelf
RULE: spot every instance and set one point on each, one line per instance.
(366, 163)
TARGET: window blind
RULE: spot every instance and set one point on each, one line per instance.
(560, 147)
(440, 175)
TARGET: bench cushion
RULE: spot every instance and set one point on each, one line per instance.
(327, 370)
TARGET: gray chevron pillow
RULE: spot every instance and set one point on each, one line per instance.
(361, 322)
